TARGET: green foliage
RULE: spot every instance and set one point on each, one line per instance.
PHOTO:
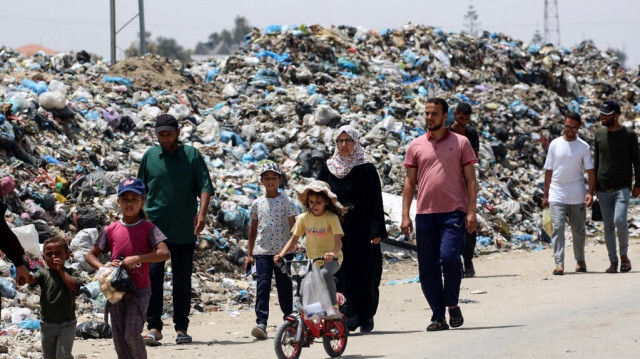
(620, 54)
(234, 36)
(167, 47)
(537, 38)
(471, 23)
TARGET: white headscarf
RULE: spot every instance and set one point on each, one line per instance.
(339, 165)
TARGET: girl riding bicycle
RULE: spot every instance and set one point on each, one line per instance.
(321, 225)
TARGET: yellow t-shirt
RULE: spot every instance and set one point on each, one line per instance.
(319, 231)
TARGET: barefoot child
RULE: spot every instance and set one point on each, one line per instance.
(57, 300)
(321, 224)
(272, 217)
(139, 242)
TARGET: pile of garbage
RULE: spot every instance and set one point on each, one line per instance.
(84, 125)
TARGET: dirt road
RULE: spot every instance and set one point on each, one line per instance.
(514, 308)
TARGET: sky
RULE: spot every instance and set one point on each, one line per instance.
(74, 25)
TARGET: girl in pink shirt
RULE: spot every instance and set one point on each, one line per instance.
(134, 242)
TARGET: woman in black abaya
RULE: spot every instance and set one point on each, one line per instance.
(354, 179)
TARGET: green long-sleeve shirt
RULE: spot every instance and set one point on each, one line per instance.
(174, 184)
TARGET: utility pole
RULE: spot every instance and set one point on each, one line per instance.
(143, 34)
(112, 4)
(143, 39)
(551, 22)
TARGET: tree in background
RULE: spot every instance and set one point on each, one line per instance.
(235, 36)
(537, 37)
(169, 48)
(162, 46)
(471, 24)
(240, 29)
(620, 54)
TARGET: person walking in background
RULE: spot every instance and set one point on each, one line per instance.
(58, 289)
(133, 242)
(567, 160)
(440, 163)
(272, 217)
(176, 177)
(354, 179)
(461, 126)
(616, 161)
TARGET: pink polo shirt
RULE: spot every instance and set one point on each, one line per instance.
(441, 184)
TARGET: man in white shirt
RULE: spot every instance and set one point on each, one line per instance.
(567, 160)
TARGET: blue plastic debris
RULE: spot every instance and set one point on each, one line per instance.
(416, 279)
(273, 29)
(37, 87)
(484, 241)
(211, 74)
(283, 58)
(117, 79)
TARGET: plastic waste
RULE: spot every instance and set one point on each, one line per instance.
(117, 79)
(93, 330)
(28, 237)
(32, 324)
(36, 87)
(52, 100)
(112, 117)
(180, 112)
(7, 288)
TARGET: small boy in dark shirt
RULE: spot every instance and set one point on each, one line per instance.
(57, 300)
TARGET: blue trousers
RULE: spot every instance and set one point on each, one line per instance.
(440, 238)
(265, 268)
(614, 206)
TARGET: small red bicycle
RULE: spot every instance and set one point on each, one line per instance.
(298, 331)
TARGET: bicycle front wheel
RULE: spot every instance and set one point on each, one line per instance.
(285, 341)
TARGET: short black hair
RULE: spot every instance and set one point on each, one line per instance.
(441, 102)
(574, 116)
(57, 240)
(463, 108)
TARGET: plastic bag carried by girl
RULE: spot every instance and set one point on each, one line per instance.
(315, 295)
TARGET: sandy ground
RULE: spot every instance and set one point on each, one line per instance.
(513, 308)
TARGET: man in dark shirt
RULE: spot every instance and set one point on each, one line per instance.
(461, 126)
(616, 152)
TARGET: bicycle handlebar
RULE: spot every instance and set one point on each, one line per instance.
(283, 262)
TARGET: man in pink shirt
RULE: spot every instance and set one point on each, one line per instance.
(441, 164)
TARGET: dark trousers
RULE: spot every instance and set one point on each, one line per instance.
(440, 239)
(264, 270)
(181, 265)
(469, 247)
(359, 277)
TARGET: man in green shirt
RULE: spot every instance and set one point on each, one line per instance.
(176, 176)
(616, 152)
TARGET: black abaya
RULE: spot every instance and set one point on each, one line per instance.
(361, 270)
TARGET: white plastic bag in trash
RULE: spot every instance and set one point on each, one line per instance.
(5, 269)
(51, 100)
(28, 237)
(81, 244)
(180, 111)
